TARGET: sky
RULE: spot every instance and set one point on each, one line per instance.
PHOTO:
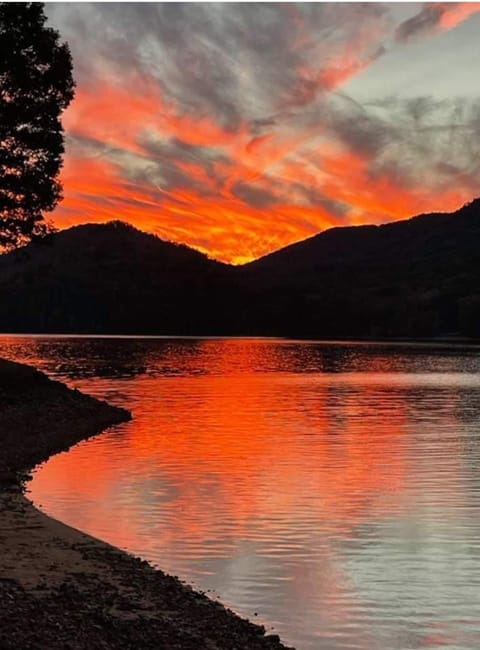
(239, 128)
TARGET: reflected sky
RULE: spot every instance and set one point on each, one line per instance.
(334, 490)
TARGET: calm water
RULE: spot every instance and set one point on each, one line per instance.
(334, 490)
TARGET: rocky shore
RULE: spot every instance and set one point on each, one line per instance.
(62, 589)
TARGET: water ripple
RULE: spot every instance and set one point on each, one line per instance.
(334, 490)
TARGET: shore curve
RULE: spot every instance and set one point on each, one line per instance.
(63, 589)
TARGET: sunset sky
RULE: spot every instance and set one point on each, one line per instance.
(240, 128)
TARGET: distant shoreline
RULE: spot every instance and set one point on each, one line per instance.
(444, 340)
(61, 588)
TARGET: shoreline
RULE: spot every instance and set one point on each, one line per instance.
(63, 589)
(466, 341)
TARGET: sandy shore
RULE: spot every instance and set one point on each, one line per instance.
(62, 589)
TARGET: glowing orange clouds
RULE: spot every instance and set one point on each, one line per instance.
(119, 175)
(237, 184)
(436, 17)
(456, 12)
(178, 215)
(225, 226)
(117, 115)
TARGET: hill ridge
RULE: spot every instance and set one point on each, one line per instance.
(411, 278)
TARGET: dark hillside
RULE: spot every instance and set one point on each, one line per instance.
(414, 278)
(108, 278)
(419, 277)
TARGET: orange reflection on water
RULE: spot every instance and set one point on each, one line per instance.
(292, 447)
(291, 444)
(305, 495)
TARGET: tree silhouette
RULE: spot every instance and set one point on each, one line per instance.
(36, 85)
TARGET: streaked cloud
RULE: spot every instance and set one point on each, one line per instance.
(435, 17)
(231, 128)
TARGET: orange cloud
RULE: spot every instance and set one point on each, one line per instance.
(435, 17)
(117, 115)
(213, 219)
(349, 64)
(235, 194)
(383, 198)
(224, 226)
(456, 12)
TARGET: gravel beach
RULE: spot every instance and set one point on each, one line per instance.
(62, 589)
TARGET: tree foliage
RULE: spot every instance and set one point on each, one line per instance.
(36, 85)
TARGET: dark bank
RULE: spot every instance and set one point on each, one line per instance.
(62, 589)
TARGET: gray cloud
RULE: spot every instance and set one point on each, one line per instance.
(314, 197)
(426, 21)
(166, 158)
(255, 196)
(412, 141)
(363, 132)
(236, 62)
(266, 69)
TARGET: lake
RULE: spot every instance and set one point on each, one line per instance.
(330, 491)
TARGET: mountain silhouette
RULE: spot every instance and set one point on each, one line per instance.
(414, 278)
(108, 278)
